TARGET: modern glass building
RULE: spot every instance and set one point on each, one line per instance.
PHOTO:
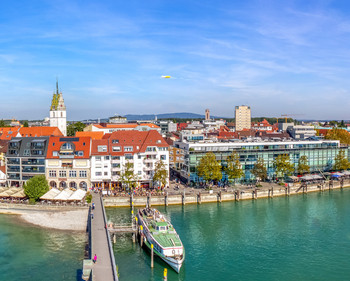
(25, 159)
(320, 155)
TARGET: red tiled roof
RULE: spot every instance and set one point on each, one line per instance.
(40, 131)
(7, 133)
(3, 169)
(139, 140)
(93, 135)
(82, 144)
(96, 143)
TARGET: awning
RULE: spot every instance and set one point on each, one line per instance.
(19, 194)
(64, 195)
(78, 195)
(293, 177)
(51, 194)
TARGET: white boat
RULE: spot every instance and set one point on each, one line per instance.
(159, 232)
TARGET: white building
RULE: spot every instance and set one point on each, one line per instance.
(58, 114)
(142, 149)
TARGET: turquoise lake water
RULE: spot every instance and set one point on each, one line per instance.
(303, 237)
(32, 253)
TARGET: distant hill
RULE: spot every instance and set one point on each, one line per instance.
(182, 115)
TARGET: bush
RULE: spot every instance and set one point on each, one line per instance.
(36, 187)
(88, 197)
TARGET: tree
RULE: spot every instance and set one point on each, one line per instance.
(2, 123)
(36, 187)
(259, 170)
(208, 168)
(283, 165)
(234, 168)
(128, 177)
(341, 162)
(303, 167)
(75, 127)
(161, 173)
(338, 134)
(25, 124)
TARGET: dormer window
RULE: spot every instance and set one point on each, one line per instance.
(67, 146)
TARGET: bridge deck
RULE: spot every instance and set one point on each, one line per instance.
(103, 269)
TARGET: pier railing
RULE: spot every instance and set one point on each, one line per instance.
(115, 274)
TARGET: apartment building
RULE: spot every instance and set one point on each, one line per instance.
(25, 158)
(243, 117)
(68, 162)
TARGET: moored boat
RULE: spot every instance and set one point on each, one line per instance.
(160, 233)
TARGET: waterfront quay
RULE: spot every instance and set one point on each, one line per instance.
(194, 196)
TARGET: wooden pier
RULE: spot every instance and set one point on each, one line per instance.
(105, 267)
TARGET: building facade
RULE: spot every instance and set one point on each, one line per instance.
(141, 149)
(68, 162)
(320, 155)
(58, 114)
(243, 117)
(25, 158)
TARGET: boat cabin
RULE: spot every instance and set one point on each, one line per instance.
(161, 226)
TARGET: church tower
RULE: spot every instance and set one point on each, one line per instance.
(58, 116)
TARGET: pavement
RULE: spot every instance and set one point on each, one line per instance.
(102, 269)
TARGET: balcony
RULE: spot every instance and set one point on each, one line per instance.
(148, 168)
(149, 160)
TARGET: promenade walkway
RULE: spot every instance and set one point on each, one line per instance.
(104, 268)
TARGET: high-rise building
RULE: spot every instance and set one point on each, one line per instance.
(58, 115)
(243, 117)
(207, 114)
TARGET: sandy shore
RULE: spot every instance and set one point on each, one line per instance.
(75, 220)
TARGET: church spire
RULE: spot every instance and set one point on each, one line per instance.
(57, 86)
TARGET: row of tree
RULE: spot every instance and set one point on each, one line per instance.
(211, 170)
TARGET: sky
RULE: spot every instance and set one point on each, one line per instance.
(279, 57)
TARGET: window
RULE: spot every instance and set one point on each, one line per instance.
(106, 157)
(54, 153)
(102, 148)
(129, 156)
(72, 174)
(115, 141)
(139, 173)
(115, 157)
(52, 174)
(116, 148)
(98, 174)
(163, 157)
(62, 174)
(105, 173)
(82, 174)
(26, 152)
(98, 158)
(128, 148)
(67, 146)
(79, 153)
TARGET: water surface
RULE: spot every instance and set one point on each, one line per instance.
(303, 237)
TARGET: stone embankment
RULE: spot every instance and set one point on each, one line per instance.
(202, 196)
(55, 217)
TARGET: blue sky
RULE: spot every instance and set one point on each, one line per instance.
(279, 57)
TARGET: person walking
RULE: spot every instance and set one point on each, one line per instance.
(95, 258)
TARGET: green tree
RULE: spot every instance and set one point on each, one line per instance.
(283, 165)
(75, 127)
(259, 170)
(161, 173)
(127, 176)
(208, 168)
(341, 162)
(234, 168)
(303, 166)
(25, 124)
(2, 123)
(36, 187)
